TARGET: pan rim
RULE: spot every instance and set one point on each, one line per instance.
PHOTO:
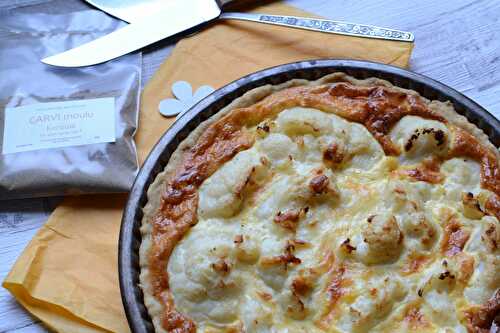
(130, 237)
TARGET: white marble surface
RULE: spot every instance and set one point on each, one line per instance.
(457, 43)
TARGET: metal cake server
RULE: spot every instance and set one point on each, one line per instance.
(175, 17)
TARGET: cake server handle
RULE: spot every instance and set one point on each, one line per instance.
(323, 25)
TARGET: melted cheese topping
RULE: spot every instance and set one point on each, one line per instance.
(315, 229)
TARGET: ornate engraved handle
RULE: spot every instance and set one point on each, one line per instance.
(322, 25)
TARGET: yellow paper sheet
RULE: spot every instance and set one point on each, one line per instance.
(68, 274)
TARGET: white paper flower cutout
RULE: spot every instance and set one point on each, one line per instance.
(184, 98)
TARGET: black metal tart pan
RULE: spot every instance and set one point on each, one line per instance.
(130, 236)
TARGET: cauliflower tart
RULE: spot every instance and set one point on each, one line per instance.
(336, 205)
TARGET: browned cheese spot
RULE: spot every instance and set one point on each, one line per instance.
(454, 238)
(485, 318)
(319, 184)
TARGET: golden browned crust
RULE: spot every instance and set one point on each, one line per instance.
(376, 104)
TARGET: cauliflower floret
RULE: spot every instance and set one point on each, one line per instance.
(246, 248)
(373, 305)
(204, 275)
(485, 280)
(421, 230)
(278, 148)
(419, 138)
(300, 121)
(382, 239)
(220, 195)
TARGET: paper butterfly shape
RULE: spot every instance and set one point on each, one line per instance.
(184, 98)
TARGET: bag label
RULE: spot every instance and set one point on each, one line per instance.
(59, 124)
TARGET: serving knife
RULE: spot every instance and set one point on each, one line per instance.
(177, 17)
